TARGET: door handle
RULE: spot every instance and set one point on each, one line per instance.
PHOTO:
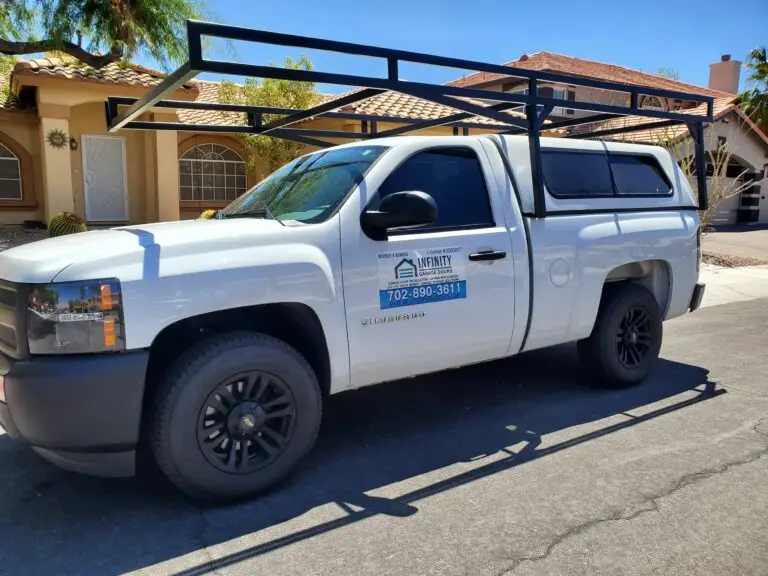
(488, 255)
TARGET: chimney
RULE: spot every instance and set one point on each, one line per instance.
(724, 76)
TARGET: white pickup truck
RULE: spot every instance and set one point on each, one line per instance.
(213, 342)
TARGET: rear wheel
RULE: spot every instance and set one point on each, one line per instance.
(234, 416)
(626, 338)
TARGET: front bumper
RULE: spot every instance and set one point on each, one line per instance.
(83, 413)
(696, 298)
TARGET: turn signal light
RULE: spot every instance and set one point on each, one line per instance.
(106, 297)
(109, 333)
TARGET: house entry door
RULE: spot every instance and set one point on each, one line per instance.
(104, 179)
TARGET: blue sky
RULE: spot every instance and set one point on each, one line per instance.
(646, 35)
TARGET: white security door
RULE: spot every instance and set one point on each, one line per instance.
(106, 190)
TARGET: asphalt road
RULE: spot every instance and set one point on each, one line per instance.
(515, 467)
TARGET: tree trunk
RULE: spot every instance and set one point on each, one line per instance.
(95, 60)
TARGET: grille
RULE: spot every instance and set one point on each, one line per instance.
(12, 320)
(8, 306)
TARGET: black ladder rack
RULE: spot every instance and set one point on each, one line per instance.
(537, 108)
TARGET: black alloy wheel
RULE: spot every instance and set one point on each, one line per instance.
(246, 422)
(633, 338)
(234, 415)
(626, 337)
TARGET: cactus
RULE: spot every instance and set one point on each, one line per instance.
(65, 223)
(208, 214)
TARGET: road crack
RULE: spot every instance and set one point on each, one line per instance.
(649, 503)
(210, 561)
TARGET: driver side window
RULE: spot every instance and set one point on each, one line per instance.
(454, 178)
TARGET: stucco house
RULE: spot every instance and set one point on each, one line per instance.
(56, 154)
(746, 145)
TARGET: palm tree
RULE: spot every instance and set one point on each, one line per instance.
(754, 100)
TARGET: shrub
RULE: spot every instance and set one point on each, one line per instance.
(65, 223)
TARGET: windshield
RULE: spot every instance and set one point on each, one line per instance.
(308, 189)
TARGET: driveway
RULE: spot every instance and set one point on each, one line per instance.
(740, 241)
(514, 467)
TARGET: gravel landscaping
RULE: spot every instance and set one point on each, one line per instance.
(12, 236)
(728, 261)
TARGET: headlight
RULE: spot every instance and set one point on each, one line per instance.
(76, 318)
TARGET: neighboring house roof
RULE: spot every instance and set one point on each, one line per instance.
(722, 106)
(404, 106)
(724, 102)
(588, 69)
(386, 104)
(115, 73)
(653, 135)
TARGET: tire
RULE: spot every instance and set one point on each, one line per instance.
(254, 390)
(619, 364)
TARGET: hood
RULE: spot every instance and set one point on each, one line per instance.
(43, 261)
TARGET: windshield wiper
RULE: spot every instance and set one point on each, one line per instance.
(254, 212)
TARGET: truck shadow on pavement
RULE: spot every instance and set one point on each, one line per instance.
(62, 523)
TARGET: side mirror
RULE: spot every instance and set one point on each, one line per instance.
(399, 210)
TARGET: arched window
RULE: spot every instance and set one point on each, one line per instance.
(10, 175)
(211, 173)
(652, 103)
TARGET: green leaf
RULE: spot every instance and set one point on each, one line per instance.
(277, 94)
(126, 28)
(754, 100)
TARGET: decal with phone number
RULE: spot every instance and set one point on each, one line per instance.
(422, 294)
(424, 276)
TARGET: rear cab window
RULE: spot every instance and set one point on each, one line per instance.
(638, 175)
(572, 174)
(597, 174)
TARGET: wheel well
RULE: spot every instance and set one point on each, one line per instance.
(293, 323)
(655, 275)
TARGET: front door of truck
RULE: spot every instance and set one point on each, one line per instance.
(437, 296)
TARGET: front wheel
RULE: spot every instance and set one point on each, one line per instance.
(626, 338)
(234, 416)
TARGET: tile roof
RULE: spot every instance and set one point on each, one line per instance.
(722, 106)
(209, 92)
(589, 69)
(386, 104)
(404, 106)
(115, 73)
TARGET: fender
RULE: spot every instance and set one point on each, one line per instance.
(165, 277)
